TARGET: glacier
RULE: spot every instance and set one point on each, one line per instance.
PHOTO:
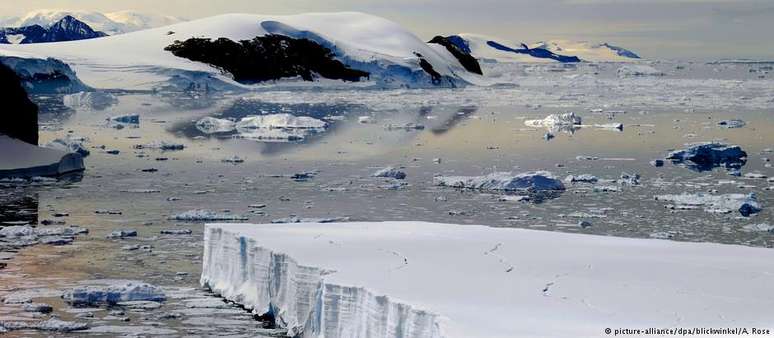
(393, 56)
(416, 279)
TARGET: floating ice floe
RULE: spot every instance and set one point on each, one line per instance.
(390, 172)
(114, 292)
(211, 125)
(556, 122)
(708, 155)
(126, 119)
(638, 70)
(583, 178)
(206, 215)
(414, 280)
(69, 144)
(503, 181)
(282, 127)
(24, 160)
(90, 100)
(161, 145)
(762, 227)
(51, 324)
(731, 124)
(745, 204)
(294, 219)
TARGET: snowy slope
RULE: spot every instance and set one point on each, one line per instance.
(417, 280)
(110, 23)
(587, 51)
(481, 47)
(138, 60)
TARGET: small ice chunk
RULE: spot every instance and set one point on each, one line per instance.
(707, 155)
(128, 119)
(745, 204)
(638, 70)
(113, 293)
(503, 181)
(763, 227)
(583, 178)
(211, 125)
(731, 124)
(390, 172)
(206, 215)
(161, 145)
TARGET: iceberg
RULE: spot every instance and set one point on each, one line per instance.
(23, 160)
(503, 181)
(417, 280)
(211, 125)
(708, 155)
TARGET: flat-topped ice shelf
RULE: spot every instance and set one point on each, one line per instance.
(24, 160)
(416, 279)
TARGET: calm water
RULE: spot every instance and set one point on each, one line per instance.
(461, 138)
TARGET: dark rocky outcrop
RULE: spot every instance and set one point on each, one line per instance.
(19, 115)
(460, 51)
(66, 29)
(266, 58)
(535, 52)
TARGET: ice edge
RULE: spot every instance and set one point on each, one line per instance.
(298, 297)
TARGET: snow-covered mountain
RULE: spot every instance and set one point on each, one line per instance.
(588, 51)
(110, 23)
(390, 54)
(66, 29)
(503, 50)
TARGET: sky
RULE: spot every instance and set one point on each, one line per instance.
(659, 29)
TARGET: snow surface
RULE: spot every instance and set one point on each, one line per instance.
(138, 60)
(586, 51)
(415, 279)
(20, 159)
(110, 23)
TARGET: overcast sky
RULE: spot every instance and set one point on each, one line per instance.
(699, 29)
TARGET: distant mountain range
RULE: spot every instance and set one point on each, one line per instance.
(109, 23)
(66, 29)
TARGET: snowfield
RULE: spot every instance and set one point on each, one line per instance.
(415, 279)
(138, 60)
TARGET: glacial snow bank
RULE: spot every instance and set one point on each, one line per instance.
(391, 54)
(415, 279)
(24, 160)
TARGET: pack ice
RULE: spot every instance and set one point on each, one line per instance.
(415, 279)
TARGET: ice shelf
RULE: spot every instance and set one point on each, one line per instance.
(416, 279)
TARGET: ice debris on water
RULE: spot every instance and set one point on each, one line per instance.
(161, 145)
(294, 219)
(503, 181)
(638, 70)
(708, 155)
(69, 144)
(762, 227)
(745, 204)
(731, 124)
(211, 125)
(52, 324)
(390, 172)
(556, 122)
(126, 119)
(123, 233)
(206, 215)
(113, 293)
(583, 178)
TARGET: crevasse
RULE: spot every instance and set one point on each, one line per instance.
(299, 298)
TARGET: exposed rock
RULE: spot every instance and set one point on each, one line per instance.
(19, 114)
(459, 52)
(266, 58)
